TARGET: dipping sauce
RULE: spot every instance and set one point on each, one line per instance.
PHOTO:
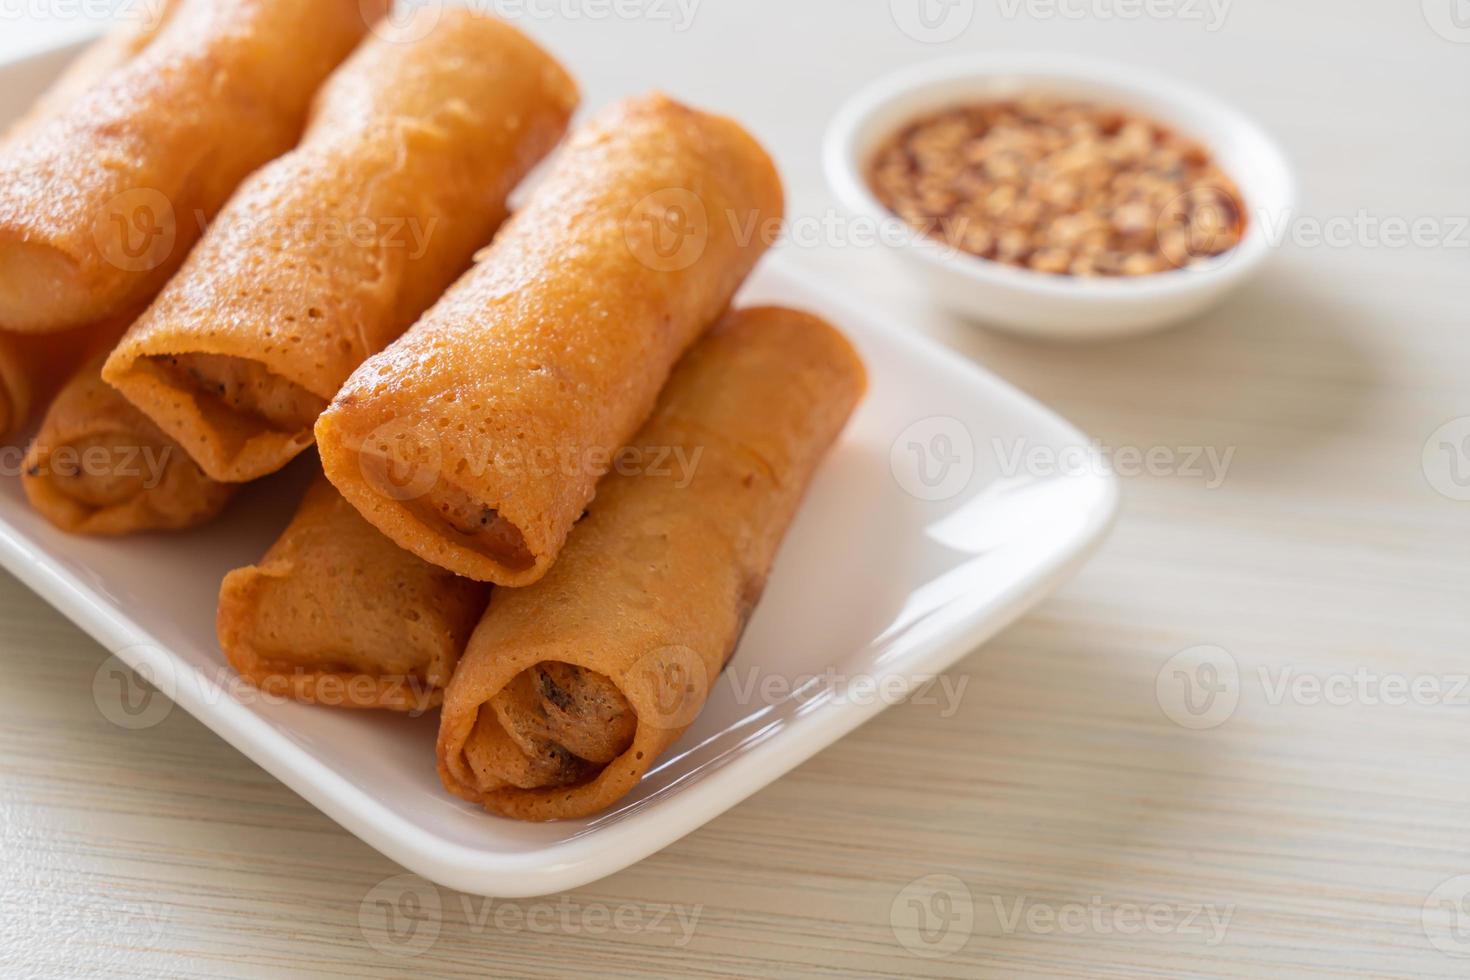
(1061, 187)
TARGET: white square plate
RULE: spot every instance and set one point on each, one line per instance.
(920, 539)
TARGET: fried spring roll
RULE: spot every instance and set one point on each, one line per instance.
(33, 367)
(99, 466)
(337, 614)
(101, 199)
(412, 149)
(476, 439)
(572, 687)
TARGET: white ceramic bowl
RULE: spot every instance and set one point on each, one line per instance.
(1021, 300)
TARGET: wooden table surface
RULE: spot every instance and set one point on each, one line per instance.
(1085, 809)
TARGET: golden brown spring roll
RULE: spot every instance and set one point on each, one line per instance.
(476, 439)
(337, 614)
(332, 251)
(34, 366)
(572, 687)
(101, 199)
(99, 466)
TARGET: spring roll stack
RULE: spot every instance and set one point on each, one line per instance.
(476, 439)
(466, 437)
(99, 466)
(101, 198)
(337, 614)
(329, 253)
(571, 688)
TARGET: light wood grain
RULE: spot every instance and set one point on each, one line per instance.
(1059, 781)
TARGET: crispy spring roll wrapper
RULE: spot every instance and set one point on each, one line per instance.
(329, 253)
(337, 614)
(476, 439)
(33, 367)
(572, 687)
(101, 199)
(99, 466)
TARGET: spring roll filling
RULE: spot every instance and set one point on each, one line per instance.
(237, 393)
(499, 760)
(554, 724)
(476, 526)
(237, 397)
